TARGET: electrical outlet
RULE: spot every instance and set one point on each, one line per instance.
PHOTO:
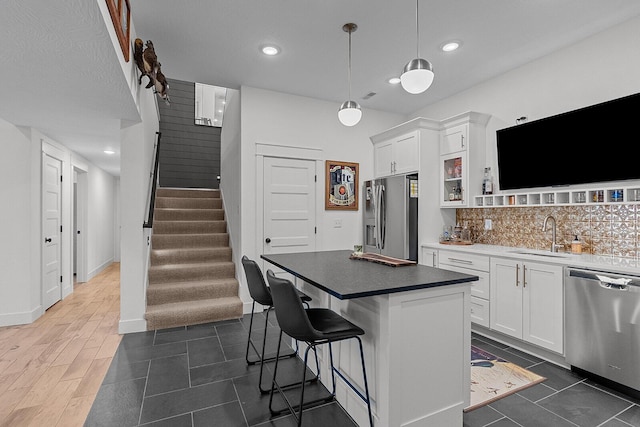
(337, 223)
(488, 225)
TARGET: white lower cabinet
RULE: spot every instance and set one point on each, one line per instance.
(527, 301)
(477, 265)
(429, 257)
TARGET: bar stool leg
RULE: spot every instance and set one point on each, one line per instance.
(366, 384)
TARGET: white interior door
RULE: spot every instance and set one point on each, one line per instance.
(51, 220)
(289, 189)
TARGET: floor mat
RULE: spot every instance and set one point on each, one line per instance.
(493, 378)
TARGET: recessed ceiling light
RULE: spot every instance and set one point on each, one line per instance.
(451, 46)
(109, 152)
(394, 80)
(270, 50)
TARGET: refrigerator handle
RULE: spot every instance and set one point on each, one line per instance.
(376, 218)
(377, 224)
(383, 217)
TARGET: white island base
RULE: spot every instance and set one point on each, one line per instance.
(417, 347)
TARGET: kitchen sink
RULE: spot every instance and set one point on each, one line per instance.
(546, 254)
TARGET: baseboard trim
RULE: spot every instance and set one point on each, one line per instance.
(131, 326)
(99, 268)
(23, 318)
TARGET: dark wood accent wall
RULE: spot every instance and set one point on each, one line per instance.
(190, 153)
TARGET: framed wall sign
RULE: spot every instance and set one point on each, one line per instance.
(341, 186)
(121, 17)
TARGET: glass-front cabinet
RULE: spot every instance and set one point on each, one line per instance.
(462, 158)
(454, 179)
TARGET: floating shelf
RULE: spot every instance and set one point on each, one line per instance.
(597, 196)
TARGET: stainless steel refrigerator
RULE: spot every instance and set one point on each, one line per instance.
(391, 216)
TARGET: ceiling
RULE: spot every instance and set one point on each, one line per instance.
(65, 79)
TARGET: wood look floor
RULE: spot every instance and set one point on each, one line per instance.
(51, 370)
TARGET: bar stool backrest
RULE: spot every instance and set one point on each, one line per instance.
(258, 288)
(291, 315)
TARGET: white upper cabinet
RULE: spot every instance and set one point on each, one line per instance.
(399, 155)
(454, 139)
(462, 158)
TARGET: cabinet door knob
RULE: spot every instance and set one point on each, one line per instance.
(47, 240)
(268, 240)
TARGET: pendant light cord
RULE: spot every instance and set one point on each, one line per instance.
(417, 32)
(349, 64)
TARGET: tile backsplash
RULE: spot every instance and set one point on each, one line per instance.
(609, 229)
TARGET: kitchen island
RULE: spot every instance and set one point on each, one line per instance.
(417, 334)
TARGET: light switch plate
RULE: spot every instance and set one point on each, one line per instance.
(337, 223)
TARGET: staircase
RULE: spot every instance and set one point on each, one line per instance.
(191, 274)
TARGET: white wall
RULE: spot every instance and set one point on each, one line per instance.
(19, 265)
(230, 176)
(277, 118)
(600, 68)
(101, 219)
(136, 160)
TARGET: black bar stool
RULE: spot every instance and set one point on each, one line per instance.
(261, 294)
(315, 326)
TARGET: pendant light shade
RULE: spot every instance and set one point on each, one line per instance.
(349, 112)
(418, 74)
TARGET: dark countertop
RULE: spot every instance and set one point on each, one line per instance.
(344, 278)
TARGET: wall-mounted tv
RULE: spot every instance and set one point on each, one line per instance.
(588, 145)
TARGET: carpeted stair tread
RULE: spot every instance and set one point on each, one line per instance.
(188, 203)
(189, 227)
(162, 293)
(190, 255)
(187, 192)
(193, 312)
(177, 241)
(170, 214)
(192, 271)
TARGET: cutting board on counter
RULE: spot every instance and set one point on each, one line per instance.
(382, 259)
(457, 242)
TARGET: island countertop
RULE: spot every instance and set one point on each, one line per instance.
(351, 278)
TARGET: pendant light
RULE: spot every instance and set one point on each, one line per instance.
(349, 113)
(417, 75)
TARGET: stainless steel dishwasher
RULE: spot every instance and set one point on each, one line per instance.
(603, 324)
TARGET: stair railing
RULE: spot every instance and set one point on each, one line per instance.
(153, 184)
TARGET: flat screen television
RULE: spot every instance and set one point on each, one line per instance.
(588, 145)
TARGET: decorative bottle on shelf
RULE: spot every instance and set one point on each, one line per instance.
(487, 182)
(457, 192)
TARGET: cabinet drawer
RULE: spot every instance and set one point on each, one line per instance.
(478, 289)
(464, 260)
(480, 311)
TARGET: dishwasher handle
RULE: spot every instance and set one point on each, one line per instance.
(608, 280)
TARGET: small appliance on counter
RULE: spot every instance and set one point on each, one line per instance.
(391, 216)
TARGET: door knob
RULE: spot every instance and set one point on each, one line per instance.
(268, 240)
(47, 239)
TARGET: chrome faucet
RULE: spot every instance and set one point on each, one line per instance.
(554, 245)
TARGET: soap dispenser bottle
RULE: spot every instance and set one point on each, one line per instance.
(576, 245)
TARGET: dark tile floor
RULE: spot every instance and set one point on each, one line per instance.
(563, 399)
(197, 376)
